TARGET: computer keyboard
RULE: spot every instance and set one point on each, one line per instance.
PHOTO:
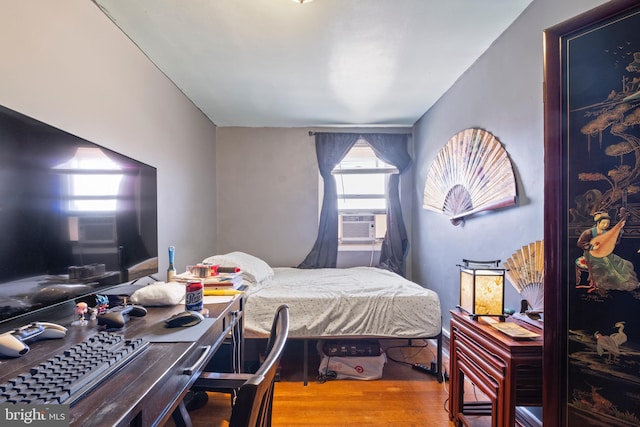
(69, 376)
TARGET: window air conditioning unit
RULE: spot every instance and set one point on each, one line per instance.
(358, 228)
(97, 230)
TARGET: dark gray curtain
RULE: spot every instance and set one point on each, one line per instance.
(330, 150)
(392, 149)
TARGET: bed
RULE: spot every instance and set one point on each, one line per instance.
(348, 303)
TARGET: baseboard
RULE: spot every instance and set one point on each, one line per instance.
(446, 334)
(445, 344)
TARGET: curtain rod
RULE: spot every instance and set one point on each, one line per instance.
(312, 133)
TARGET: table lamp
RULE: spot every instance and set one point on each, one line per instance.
(482, 288)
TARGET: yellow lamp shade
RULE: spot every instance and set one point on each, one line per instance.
(482, 288)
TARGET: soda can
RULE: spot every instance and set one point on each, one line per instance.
(194, 297)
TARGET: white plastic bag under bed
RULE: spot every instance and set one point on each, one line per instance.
(356, 368)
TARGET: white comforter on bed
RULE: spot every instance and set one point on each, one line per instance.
(330, 302)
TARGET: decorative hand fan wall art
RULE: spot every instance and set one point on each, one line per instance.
(471, 173)
(525, 270)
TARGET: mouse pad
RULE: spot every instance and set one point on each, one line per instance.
(160, 333)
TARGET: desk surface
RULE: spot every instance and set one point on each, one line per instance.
(147, 390)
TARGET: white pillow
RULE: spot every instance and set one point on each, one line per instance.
(159, 294)
(254, 270)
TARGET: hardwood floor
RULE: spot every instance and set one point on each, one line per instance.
(418, 402)
(403, 397)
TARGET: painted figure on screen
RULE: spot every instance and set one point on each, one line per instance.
(606, 270)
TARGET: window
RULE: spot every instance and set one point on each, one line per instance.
(87, 174)
(91, 182)
(361, 180)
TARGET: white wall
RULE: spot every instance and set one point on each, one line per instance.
(66, 64)
(501, 93)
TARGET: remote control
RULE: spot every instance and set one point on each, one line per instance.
(14, 343)
(50, 331)
(29, 332)
(11, 346)
(118, 316)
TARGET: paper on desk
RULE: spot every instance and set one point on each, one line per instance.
(514, 330)
(218, 299)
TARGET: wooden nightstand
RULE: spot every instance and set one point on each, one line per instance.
(507, 371)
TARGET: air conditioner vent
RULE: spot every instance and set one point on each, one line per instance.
(357, 228)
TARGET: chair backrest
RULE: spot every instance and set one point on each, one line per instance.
(254, 400)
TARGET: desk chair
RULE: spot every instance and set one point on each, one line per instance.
(252, 393)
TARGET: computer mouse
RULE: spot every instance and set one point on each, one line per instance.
(184, 319)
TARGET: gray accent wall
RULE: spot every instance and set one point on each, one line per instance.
(501, 93)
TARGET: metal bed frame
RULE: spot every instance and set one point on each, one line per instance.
(438, 374)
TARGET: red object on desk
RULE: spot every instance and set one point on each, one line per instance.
(228, 269)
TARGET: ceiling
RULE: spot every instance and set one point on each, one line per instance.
(278, 63)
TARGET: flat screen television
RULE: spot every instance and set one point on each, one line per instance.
(75, 218)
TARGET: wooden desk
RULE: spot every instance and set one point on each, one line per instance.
(507, 371)
(148, 389)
